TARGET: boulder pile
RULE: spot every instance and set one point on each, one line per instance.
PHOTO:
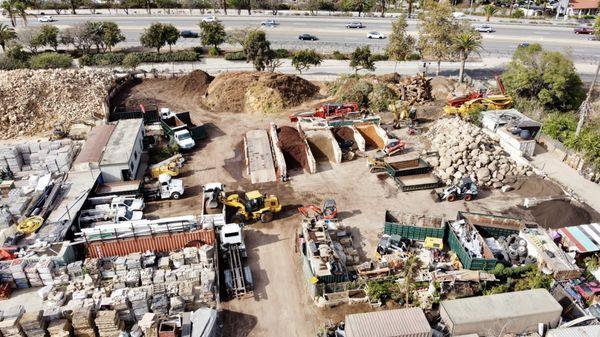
(33, 101)
(466, 150)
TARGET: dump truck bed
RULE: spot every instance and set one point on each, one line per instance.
(417, 182)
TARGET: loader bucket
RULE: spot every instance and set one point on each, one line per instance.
(435, 196)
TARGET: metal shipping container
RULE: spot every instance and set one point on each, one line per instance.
(409, 322)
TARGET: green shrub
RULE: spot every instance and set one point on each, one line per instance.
(413, 57)
(560, 126)
(380, 57)
(213, 51)
(518, 14)
(110, 59)
(236, 56)
(281, 53)
(106, 59)
(50, 60)
(339, 56)
(7, 63)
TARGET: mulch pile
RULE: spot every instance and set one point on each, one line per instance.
(536, 187)
(293, 148)
(345, 134)
(195, 83)
(559, 213)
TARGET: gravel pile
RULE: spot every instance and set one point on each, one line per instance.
(465, 150)
(33, 101)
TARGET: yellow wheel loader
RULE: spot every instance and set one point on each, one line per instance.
(252, 206)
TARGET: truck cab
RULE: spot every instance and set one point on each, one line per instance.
(184, 139)
(170, 188)
(231, 235)
(133, 204)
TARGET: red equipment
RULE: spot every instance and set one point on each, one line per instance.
(329, 210)
(6, 255)
(329, 111)
(458, 101)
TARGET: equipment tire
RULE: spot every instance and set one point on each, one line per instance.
(267, 217)
(468, 197)
(176, 195)
(238, 218)
(451, 197)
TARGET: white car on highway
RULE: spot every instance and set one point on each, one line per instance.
(375, 35)
(269, 23)
(209, 19)
(484, 28)
(46, 18)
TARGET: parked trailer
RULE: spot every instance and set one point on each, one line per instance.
(403, 166)
(417, 182)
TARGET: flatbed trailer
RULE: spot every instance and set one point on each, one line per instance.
(238, 277)
(424, 181)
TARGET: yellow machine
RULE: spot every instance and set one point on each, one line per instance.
(171, 166)
(491, 102)
(30, 225)
(253, 206)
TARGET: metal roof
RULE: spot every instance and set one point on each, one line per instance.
(92, 149)
(122, 141)
(388, 323)
(501, 306)
(580, 331)
(583, 238)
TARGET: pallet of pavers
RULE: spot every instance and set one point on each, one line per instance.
(33, 324)
(108, 323)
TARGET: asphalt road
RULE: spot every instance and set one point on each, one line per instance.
(333, 35)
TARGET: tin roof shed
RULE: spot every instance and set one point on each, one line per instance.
(410, 322)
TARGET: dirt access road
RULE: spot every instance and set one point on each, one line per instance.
(280, 305)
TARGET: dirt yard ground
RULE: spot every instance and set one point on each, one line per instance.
(280, 305)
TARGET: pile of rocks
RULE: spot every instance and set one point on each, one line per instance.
(33, 101)
(466, 150)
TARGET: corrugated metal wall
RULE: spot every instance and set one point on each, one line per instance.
(156, 243)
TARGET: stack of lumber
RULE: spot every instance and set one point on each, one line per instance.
(108, 323)
(60, 328)
(415, 89)
(33, 324)
(83, 324)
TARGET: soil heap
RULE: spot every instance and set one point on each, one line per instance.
(465, 150)
(258, 92)
(33, 101)
(194, 84)
(559, 213)
(293, 148)
(345, 133)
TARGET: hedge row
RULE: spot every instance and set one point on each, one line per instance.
(109, 59)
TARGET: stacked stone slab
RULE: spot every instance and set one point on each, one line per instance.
(33, 324)
(108, 323)
(83, 324)
(60, 328)
(39, 157)
(465, 150)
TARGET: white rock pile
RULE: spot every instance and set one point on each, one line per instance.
(33, 101)
(466, 150)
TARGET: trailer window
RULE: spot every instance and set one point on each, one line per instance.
(229, 235)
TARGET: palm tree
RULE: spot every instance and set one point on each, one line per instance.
(464, 43)
(489, 11)
(15, 9)
(412, 265)
(6, 34)
(410, 7)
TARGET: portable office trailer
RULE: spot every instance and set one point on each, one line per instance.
(493, 315)
(123, 152)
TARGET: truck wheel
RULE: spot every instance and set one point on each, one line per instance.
(451, 197)
(468, 197)
(176, 195)
(238, 218)
(266, 217)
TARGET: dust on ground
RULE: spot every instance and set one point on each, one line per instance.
(281, 305)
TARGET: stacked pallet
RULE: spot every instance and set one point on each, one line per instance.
(177, 305)
(138, 298)
(33, 324)
(17, 269)
(10, 326)
(190, 255)
(60, 328)
(149, 325)
(45, 268)
(108, 323)
(83, 324)
(32, 275)
(75, 269)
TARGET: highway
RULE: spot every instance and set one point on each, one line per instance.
(333, 35)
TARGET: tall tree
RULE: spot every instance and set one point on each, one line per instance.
(465, 42)
(6, 34)
(171, 35)
(489, 11)
(258, 49)
(362, 58)
(435, 40)
(409, 3)
(239, 5)
(400, 44)
(111, 35)
(73, 5)
(304, 59)
(212, 34)
(360, 6)
(48, 36)
(15, 9)
(154, 37)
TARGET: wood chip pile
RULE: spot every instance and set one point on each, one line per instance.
(414, 89)
(33, 101)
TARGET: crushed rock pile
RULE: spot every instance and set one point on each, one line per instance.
(258, 92)
(33, 101)
(466, 150)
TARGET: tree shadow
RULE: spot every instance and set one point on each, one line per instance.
(236, 324)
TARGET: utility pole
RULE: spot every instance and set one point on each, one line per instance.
(585, 106)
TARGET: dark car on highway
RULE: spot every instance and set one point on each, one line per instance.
(308, 37)
(583, 30)
(188, 34)
(355, 25)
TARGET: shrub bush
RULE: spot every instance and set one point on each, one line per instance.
(50, 60)
(413, 57)
(380, 57)
(7, 63)
(339, 56)
(108, 59)
(212, 51)
(518, 14)
(281, 53)
(236, 56)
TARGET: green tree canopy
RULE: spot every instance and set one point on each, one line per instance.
(6, 34)
(547, 78)
(258, 49)
(435, 38)
(158, 35)
(111, 34)
(212, 33)
(15, 9)
(48, 36)
(131, 61)
(304, 59)
(360, 6)
(489, 11)
(362, 58)
(400, 44)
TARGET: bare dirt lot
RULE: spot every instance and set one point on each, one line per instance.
(280, 305)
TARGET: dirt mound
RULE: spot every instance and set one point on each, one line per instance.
(258, 92)
(345, 134)
(293, 148)
(536, 187)
(559, 213)
(195, 83)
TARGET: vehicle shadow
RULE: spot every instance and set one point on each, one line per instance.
(236, 324)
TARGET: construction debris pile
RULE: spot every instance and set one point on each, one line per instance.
(33, 101)
(414, 89)
(258, 92)
(465, 150)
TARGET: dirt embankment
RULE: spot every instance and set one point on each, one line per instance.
(258, 92)
(293, 148)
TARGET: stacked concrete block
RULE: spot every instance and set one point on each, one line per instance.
(32, 275)
(17, 269)
(33, 324)
(45, 268)
(139, 302)
(39, 156)
(176, 305)
(5, 272)
(14, 161)
(149, 325)
(108, 323)
(75, 269)
(9, 326)
(60, 328)
(83, 324)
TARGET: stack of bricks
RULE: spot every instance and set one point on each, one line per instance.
(45, 268)
(32, 275)
(108, 323)
(33, 324)
(60, 328)
(83, 324)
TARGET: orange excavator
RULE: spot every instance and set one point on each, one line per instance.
(329, 210)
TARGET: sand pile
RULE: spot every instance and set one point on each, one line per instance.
(293, 148)
(258, 92)
(559, 213)
(33, 101)
(343, 134)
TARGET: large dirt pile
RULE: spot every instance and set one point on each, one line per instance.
(293, 148)
(33, 101)
(258, 92)
(195, 83)
(465, 150)
(559, 213)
